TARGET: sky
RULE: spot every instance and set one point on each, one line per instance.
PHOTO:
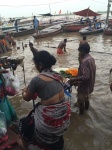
(26, 8)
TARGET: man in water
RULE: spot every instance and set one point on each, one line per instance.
(86, 77)
(35, 24)
(34, 50)
(61, 46)
(83, 41)
(16, 25)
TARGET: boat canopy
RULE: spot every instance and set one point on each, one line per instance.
(48, 14)
(86, 13)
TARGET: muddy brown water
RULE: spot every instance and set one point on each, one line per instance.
(93, 130)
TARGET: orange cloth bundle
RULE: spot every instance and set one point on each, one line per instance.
(3, 42)
(72, 71)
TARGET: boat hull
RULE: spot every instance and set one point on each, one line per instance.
(23, 33)
(40, 35)
(73, 27)
(108, 32)
(91, 32)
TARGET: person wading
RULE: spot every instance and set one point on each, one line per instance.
(86, 77)
(83, 41)
(61, 46)
(34, 50)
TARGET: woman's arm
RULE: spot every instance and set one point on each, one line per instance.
(27, 95)
(30, 92)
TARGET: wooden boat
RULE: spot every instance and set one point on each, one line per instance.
(73, 27)
(77, 26)
(22, 31)
(87, 31)
(50, 31)
(108, 31)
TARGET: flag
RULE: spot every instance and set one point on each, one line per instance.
(60, 12)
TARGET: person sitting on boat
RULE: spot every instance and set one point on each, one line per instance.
(83, 41)
(36, 24)
(52, 114)
(34, 50)
(88, 20)
(94, 18)
(16, 25)
(90, 25)
(61, 46)
(81, 21)
(98, 24)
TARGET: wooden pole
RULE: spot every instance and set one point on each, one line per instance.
(23, 67)
(108, 10)
(50, 13)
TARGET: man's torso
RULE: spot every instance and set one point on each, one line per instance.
(88, 66)
(62, 45)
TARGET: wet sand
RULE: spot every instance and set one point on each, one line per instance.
(93, 130)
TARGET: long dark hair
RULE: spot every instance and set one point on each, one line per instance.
(45, 58)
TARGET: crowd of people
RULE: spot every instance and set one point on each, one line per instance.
(93, 23)
(46, 124)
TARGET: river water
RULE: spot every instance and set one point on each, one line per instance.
(93, 130)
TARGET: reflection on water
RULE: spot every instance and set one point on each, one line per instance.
(93, 130)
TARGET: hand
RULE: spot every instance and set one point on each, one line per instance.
(4, 71)
(25, 89)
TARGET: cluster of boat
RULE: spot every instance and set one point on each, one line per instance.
(57, 26)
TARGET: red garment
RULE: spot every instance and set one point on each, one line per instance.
(87, 72)
(60, 51)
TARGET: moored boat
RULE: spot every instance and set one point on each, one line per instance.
(108, 31)
(50, 31)
(76, 26)
(88, 31)
(22, 31)
(73, 27)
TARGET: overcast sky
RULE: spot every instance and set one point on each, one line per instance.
(20, 8)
